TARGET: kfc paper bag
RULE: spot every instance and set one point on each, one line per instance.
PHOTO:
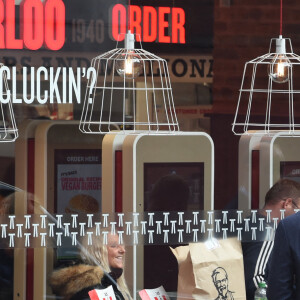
(186, 281)
(218, 269)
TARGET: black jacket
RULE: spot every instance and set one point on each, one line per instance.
(74, 283)
(284, 271)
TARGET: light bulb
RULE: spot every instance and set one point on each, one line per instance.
(279, 69)
(129, 65)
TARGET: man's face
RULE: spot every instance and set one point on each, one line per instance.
(221, 284)
(290, 205)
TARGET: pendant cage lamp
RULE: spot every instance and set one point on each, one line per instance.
(8, 128)
(269, 97)
(269, 89)
(132, 90)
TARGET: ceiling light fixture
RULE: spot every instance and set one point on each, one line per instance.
(132, 90)
(268, 81)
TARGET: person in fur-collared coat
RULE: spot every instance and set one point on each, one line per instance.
(102, 266)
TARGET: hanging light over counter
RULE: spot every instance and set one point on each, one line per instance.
(267, 79)
(132, 90)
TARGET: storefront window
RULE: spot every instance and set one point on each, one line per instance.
(132, 210)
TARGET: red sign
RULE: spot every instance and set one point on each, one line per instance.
(40, 24)
(161, 24)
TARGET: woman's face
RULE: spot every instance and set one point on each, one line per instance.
(115, 251)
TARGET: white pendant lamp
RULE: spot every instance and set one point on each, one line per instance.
(132, 90)
(8, 128)
(267, 83)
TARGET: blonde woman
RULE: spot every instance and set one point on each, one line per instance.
(102, 266)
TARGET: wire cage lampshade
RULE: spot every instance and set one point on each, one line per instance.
(8, 128)
(268, 88)
(132, 90)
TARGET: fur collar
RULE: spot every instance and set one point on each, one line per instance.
(68, 281)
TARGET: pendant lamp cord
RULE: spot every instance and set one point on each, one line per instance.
(280, 17)
(128, 14)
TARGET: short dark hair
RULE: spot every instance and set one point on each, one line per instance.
(282, 189)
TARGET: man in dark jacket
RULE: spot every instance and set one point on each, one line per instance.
(285, 194)
(284, 272)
